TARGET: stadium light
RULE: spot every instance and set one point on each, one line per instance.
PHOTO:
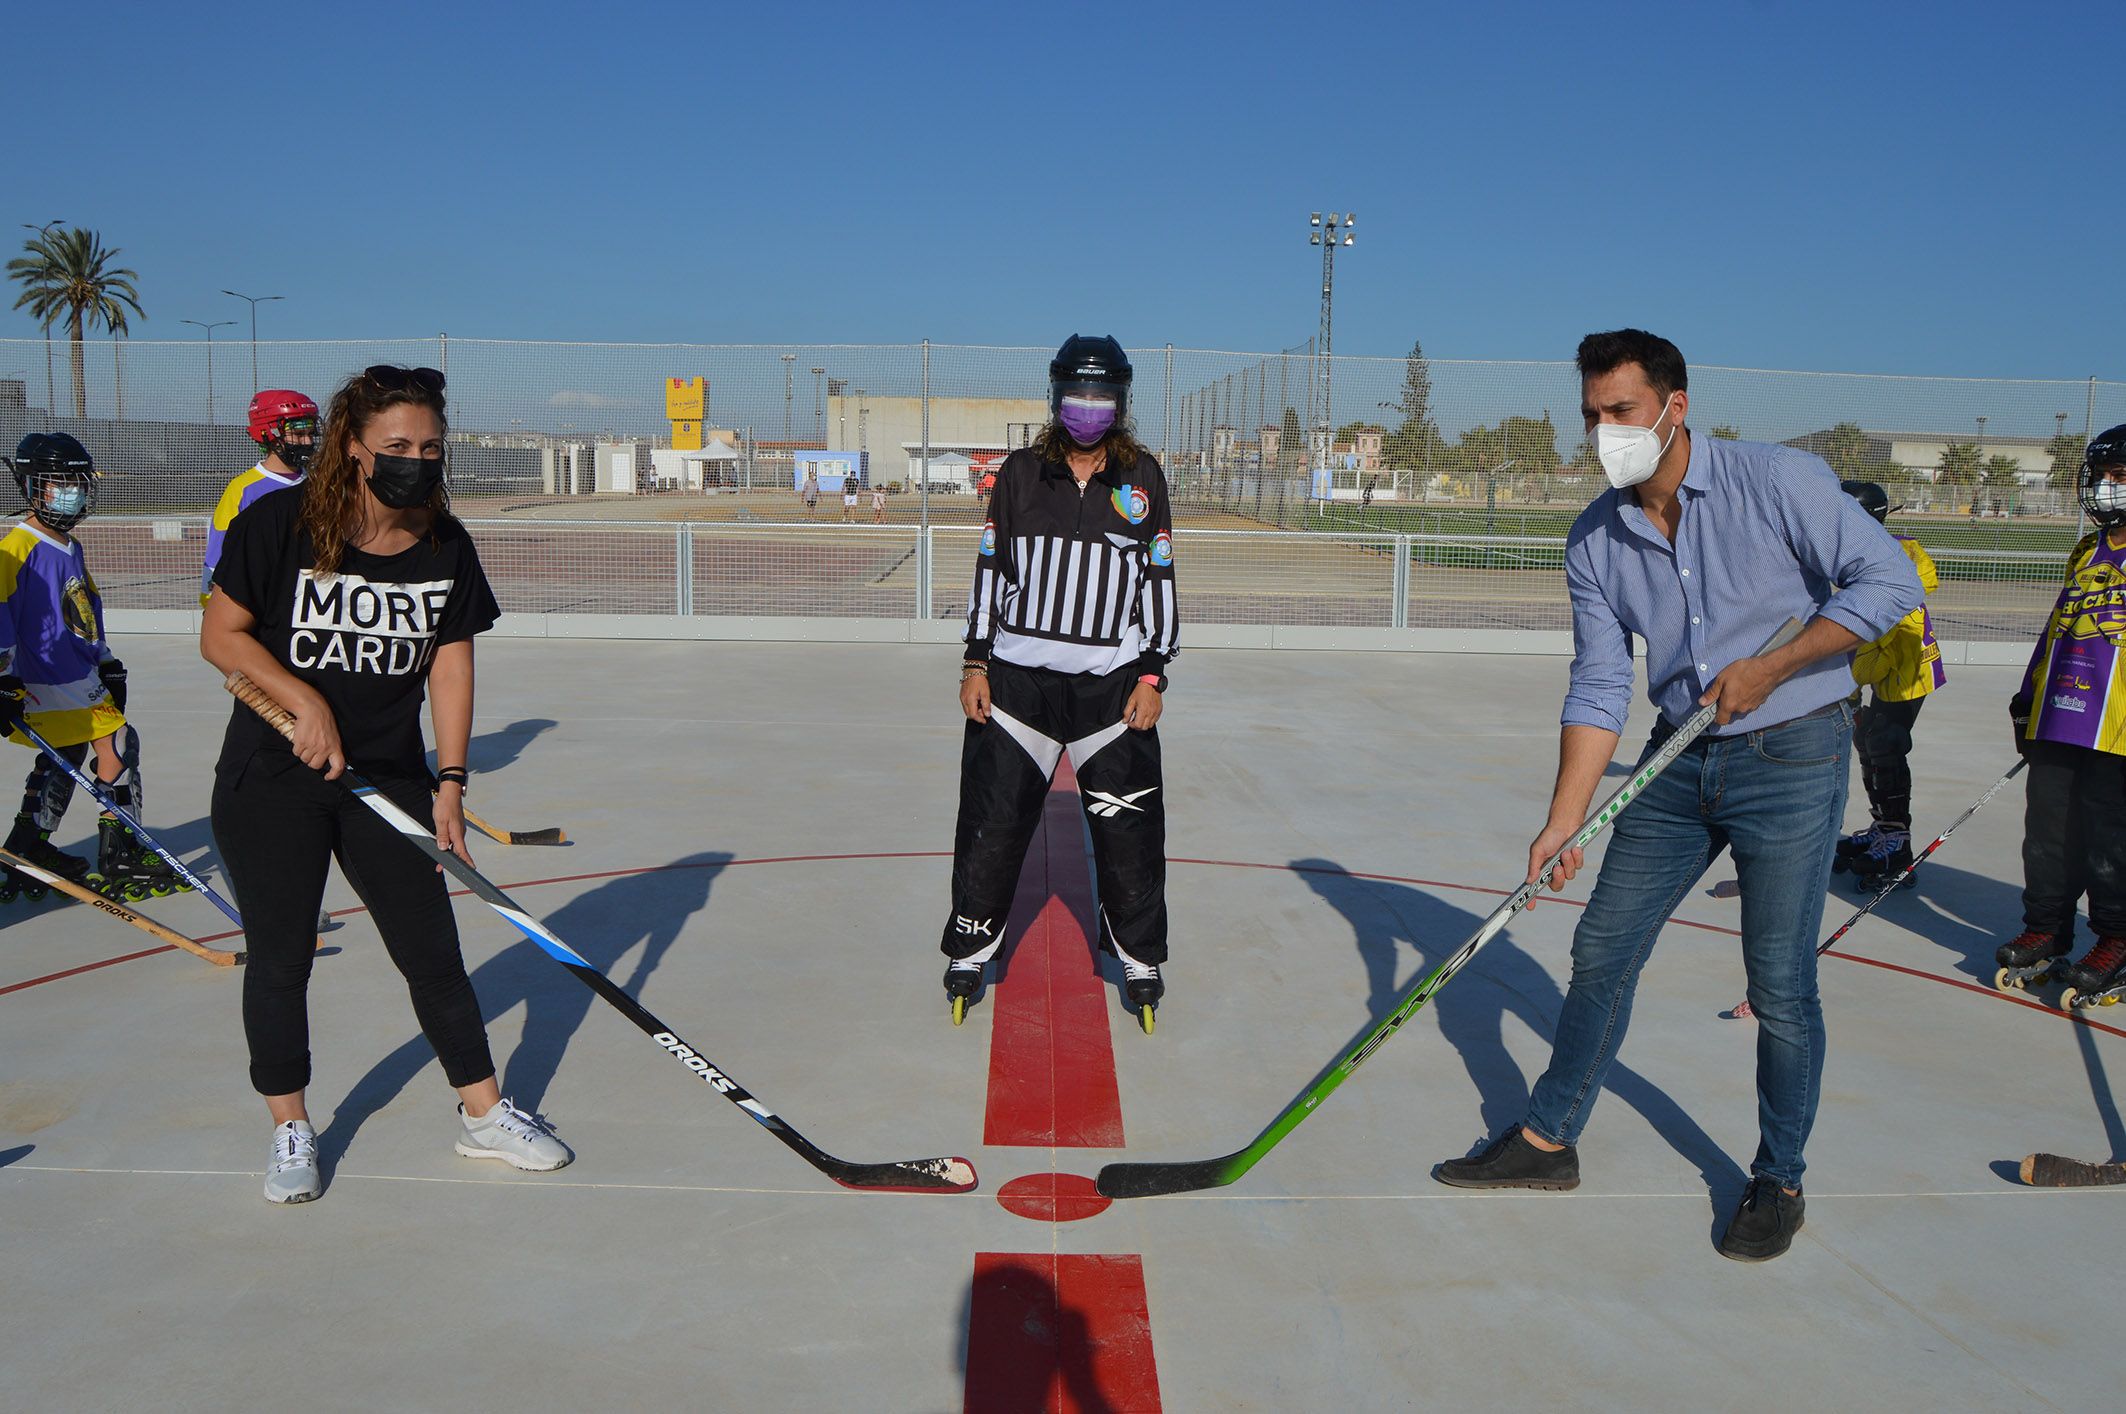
(1338, 221)
(210, 328)
(255, 302)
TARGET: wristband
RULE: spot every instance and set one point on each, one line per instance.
(1156, 681)
(456, 774)
(968, 670)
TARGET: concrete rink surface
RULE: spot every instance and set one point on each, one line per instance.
(759, 852)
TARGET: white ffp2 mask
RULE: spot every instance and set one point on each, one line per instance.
(1630, 454)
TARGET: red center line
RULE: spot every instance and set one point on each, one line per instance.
(1059, 1334)
(1051, 1059)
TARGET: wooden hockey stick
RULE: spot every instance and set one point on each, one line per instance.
(119, 911)
(549, 835)
(2052, 1171)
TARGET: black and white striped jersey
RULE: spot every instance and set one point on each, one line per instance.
(1077, 581)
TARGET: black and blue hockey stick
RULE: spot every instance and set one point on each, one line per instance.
(943, 1175)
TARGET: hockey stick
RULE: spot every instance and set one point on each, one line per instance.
(2052, 1171)
(103, 798)
(545, 836)
(1147, 1180)
(1742, 1009)
(942, 1175)
(119, 911)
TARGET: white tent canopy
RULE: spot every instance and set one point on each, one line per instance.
(714, 452)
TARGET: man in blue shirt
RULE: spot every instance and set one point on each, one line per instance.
(1703, 549)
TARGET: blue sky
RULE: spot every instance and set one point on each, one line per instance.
(1885, 186)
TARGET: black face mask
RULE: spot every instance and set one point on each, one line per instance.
(404, 482)
(294, 455)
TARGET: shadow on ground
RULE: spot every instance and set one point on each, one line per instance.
(1502, 981)
(637, 913)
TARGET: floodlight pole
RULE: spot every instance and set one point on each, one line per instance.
(254, 301)
(1325, 236)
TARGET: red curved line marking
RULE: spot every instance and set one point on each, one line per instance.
(2076, 1017)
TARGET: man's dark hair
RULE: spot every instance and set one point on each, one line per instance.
(1661, 360)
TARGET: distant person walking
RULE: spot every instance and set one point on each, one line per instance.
(849, 500)
(878, 504)
(1702, 550)
(810, 493)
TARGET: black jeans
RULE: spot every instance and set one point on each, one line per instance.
(1882, 737)
(278, 824)
(2074, 839)
(1005, 767)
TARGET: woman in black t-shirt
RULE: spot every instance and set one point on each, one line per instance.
(344, 598)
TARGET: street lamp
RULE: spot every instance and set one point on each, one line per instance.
(819, 410)
(1325, 236)
(50, 399)
(255, 301)
(210, 328)
(789, 362)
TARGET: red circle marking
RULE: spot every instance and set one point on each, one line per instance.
(1052, 1197)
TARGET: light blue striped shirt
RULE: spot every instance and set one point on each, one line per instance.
(1763, 535)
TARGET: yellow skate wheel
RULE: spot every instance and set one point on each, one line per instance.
(2001, 982)
(959, 1010)
(1146, 1014)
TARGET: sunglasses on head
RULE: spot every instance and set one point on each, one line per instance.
(393, 379)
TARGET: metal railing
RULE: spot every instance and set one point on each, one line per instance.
(823, 570)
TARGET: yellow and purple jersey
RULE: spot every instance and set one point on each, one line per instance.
(239, 493)
(1905, 663)
(51, 636)
(2077, 677)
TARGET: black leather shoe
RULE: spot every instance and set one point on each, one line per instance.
(1765, 1223)
(1510, 1161)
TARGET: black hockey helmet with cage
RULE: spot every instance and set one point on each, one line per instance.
(2105, 451)
(1088, 364)
(44, 460)
(1873, 499)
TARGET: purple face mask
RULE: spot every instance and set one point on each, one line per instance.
(1086, 419)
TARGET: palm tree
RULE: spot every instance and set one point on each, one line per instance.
(67, 273)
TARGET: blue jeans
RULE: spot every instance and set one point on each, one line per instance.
(1776, 798)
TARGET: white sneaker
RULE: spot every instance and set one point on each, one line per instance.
(291, 1174)
(516, 1138)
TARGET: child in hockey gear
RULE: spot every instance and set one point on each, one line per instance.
(1898, 670)
(284, 424)
(58, 671)
(306, 577)
(1070, 627)
(2070, 721)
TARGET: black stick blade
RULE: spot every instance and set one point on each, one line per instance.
(546, 836)
(1151, 1180)
(951, 1175)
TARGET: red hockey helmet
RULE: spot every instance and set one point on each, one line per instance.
(273, 406)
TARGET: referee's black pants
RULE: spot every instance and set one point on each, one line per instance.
(1005, 765)
(278, 824)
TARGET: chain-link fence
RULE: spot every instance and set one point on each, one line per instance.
(801, 479)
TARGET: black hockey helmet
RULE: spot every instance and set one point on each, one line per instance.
(1873, 499)
(1088, 364)
(47, 460)
(2105, 451)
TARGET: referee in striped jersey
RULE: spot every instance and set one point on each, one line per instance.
(1070, 626)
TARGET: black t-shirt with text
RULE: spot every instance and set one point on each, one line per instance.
(364, 637)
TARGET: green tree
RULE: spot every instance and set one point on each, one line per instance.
(1530, 443)
(2066, 452)
(1726, 433)
(1291, 442)
(67, 273)
(1415, 443)
(1845, 447)
(1959, 464)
